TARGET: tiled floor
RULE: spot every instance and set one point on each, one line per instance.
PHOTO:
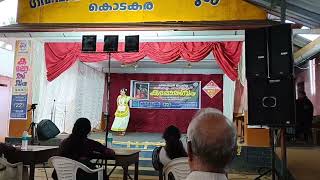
(40, 175)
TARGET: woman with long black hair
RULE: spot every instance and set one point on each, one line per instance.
(173, 148)
(80, 148)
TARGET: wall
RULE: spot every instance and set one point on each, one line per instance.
(6, 73)
(311, 83)
(7, 61)
(5, 96)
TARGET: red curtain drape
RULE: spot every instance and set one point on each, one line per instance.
(61, 56)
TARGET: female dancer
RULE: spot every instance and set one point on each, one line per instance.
(122, 114)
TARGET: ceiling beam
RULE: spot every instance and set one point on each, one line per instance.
(303, 12)
(307, 52)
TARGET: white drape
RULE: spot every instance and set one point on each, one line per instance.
(228, 97)
(76, 93)
(242, 66)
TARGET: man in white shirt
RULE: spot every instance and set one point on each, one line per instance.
(212, 144)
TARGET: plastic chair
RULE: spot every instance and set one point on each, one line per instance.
(178, 168)
(67, 168)
(10, 171)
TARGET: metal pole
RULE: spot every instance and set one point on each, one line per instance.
(273, 163)
(284, 153)
(108, 98)
(283, 11)
(108, 112)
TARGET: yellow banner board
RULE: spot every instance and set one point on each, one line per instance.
(128, 11)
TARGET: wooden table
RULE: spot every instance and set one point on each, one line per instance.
(124, 158)
(34, 155)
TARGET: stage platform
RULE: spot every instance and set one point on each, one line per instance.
(132, 140)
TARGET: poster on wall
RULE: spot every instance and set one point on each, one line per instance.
(166, 94)
(211, 89)
(19, 100)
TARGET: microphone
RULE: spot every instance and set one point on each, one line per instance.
(33, 106)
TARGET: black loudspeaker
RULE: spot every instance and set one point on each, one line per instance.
(280, 50)
(46, 129)
(269, 52)
(110, 43)
(256, 53)
(132, 43)
(89, 43)
(271, 102)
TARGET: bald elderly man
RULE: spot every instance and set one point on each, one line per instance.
(212, 145)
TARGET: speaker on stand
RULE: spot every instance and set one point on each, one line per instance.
(271, 92)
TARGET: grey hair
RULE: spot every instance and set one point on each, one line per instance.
(216, 151)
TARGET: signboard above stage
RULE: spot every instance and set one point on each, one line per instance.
(166, 94)
(129, 11)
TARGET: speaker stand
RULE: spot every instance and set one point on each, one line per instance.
(271, 170)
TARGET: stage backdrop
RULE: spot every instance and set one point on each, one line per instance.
(156, 120)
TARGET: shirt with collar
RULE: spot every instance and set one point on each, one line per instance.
(197, 175)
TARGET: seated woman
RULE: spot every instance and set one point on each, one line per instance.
(78, 147)
(173, 148)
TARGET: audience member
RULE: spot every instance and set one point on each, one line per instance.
(78, 147)
(304, 116)
(5, 149)
(212, 143)
(173, 149)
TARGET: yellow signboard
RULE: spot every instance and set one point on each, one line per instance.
(126, 11)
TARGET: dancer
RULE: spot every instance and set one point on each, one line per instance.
(122, 114)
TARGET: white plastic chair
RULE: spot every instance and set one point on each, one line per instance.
(10, 171)
(179, 168)
(67, 168)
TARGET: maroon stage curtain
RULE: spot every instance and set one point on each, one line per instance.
(156, 120)
(61, 56)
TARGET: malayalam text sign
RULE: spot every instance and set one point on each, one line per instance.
(19, 100)
(166, 94)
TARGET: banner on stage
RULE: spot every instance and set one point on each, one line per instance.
(19, 100)
(166, 94)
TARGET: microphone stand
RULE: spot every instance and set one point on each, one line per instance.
(33, 127)
(64, 120)
(53, 109)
